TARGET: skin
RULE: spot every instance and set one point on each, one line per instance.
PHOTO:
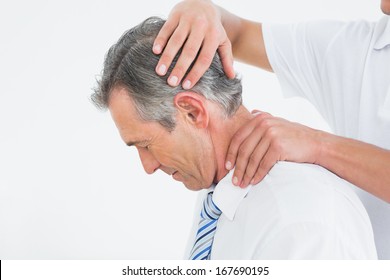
(208, 34)
(385, 6)
(194, 152)
(263, 141)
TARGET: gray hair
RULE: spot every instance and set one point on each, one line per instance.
(130, 63)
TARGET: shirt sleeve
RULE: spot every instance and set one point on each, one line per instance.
(297, 52)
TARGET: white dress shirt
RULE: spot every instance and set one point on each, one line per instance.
(299, 211)
(343, 69)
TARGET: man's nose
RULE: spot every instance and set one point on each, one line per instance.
(149, 162)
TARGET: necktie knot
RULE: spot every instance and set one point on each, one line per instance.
(210, 211)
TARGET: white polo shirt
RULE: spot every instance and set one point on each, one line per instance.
(343, 69)
(299, 211)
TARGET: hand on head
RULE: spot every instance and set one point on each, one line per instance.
(196, 27)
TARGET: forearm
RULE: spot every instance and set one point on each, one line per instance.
(365, 165)
(246, 38)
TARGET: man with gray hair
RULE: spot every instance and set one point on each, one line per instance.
(299, 211)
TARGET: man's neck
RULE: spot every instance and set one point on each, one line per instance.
(222, 133)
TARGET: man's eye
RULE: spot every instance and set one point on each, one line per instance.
(144, 146)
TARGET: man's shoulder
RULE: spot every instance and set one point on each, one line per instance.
(297, 211)
(304, 191)
(302, 175)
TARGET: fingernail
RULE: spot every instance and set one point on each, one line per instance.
(173, 81)
(228, 165)
(253, 182)
(162, 70)
(235, 181)
(187, 84)
(157, 48)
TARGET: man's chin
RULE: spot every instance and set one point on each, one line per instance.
(386, 12)
(196, 186)
(190, 182)
(385, 7)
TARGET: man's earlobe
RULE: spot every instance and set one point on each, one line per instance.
(193, 108)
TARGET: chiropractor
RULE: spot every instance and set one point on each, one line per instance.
(344, 70)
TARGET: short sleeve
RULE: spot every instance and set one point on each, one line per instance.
(297, 52)
(327, 63)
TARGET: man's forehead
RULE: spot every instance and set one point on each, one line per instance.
(123, 112)
(119, 95)
(121, 106)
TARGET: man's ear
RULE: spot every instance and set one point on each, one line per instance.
(192, 106)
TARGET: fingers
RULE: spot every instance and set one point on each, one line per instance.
(250, 154)
(196, 28)
(192, 45)
(269, 160)
(262, 142)
(246, 173)
(260, 163)
(190, 53)
(240, 136)
(174, 44)
(248, 148)
(237, 140)
(226, 54)
(202, 63)
(165, 33)
(206, 56)
(245, 153)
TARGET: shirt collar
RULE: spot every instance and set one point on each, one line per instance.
(383, 38)
(228, 197)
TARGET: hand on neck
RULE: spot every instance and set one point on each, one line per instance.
(222, 130)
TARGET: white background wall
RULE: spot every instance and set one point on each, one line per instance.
(69, 187)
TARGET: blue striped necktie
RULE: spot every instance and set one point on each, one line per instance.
(206, 230)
